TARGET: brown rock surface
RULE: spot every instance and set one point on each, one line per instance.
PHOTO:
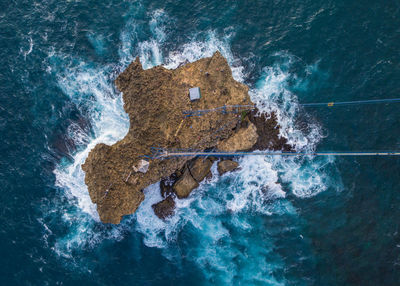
(200, 168)
(268, 132)
(154, 100)
(165, 208)
(226, 166)
(185, 185)
(244, 139)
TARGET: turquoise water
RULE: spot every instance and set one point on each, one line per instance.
(277, 221)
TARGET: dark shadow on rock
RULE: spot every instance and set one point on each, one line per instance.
(268, 132)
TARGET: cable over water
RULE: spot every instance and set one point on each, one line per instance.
(223, 109)
(160, 153)
(356, 102)
(239, 108)
(164, 153)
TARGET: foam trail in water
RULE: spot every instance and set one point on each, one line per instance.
(98, 42)
(149, 51)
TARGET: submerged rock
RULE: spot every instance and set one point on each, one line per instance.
(226, 166)
(165, 208)
(185, 185)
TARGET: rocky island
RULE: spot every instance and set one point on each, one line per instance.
(155, 100)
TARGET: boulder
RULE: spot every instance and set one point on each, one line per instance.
(185, 185)
(165, 208)
(244, 139)
(227, 166)
(200, 168)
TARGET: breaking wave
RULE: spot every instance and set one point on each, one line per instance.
(221, 218)
(226, 205)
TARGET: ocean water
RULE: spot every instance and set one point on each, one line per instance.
(276, 221)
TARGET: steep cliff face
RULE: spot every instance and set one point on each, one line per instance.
(154, 100)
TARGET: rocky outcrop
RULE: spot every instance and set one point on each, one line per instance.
(226, 166)
(242, 140)
(200, 168)
(185, 185)
(154, 100)
(165, 208)
(268, 132)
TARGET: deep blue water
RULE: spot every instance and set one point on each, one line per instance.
(319, 221)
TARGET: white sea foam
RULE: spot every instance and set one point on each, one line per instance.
(90, 89)
(255, 188)
(217, 206)
(255, 184)
(207, 219)
(29, 50)
(158, 22)
(306, 175)
(195, 50)
(156, 234)
(272, 95)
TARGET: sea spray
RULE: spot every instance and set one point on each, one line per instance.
(217, 207)
(219, 219)
(90, 89)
